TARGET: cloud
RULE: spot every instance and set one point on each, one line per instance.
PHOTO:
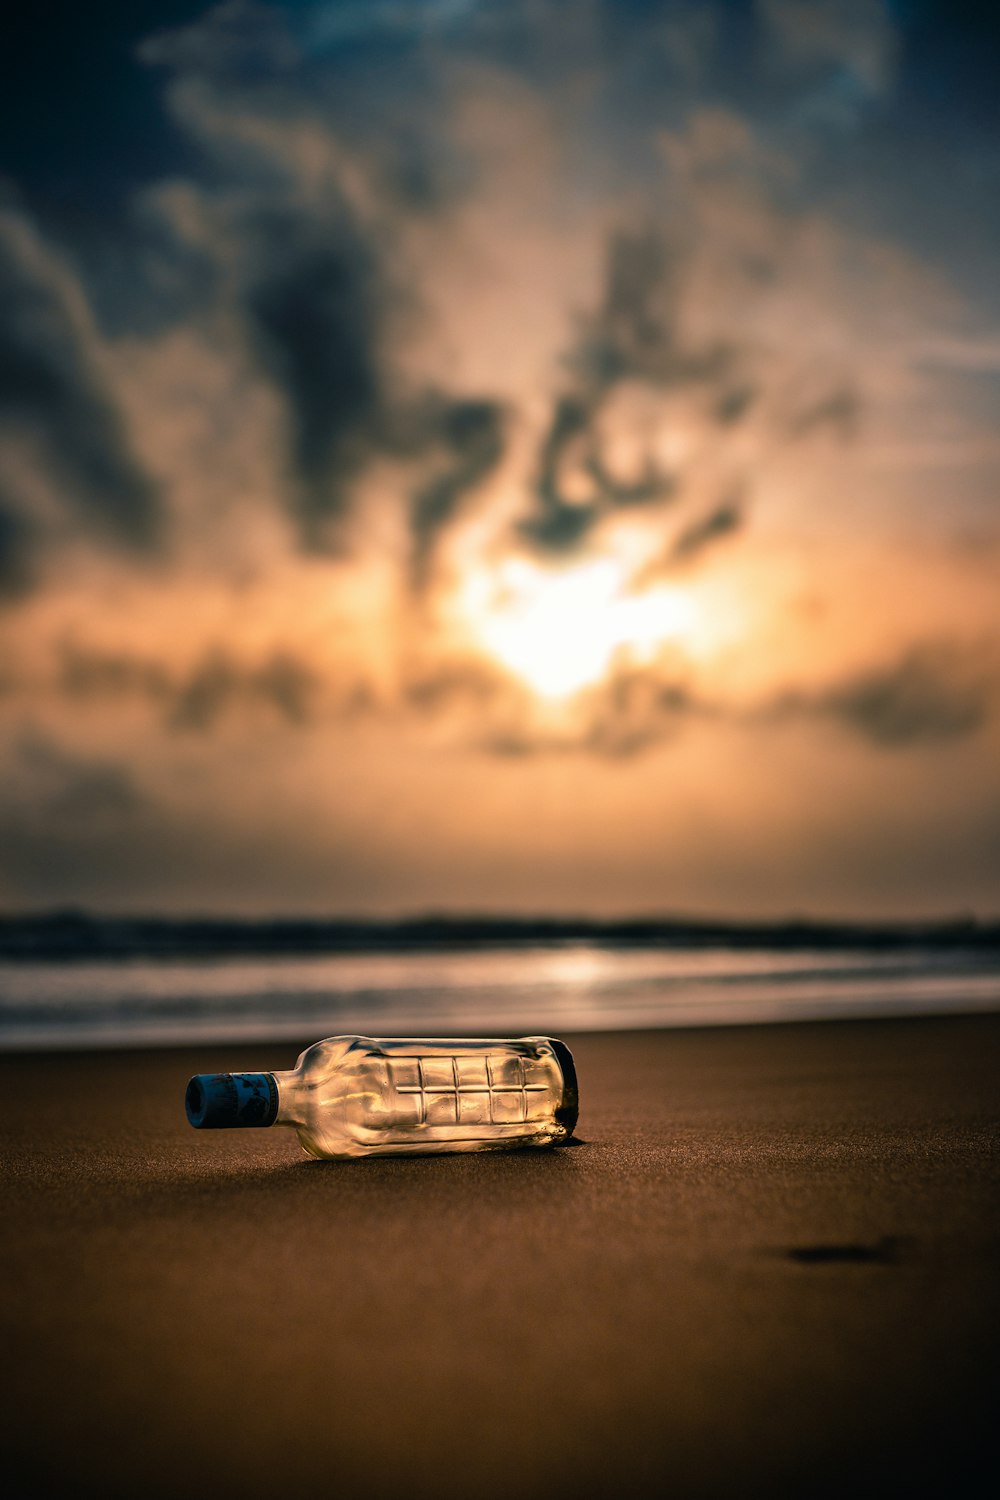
(330, 274)
(58, 410)
(16, 561)
(669, 384)
(338, 21)
(559, 524)
(311, 312)
(282, 683)
(291, 225)
(195, 698)
(935, 692)
(634, 333)
(840, 55)
(636, 709)
(631, 712)
(851, 34)
(838, 412)
(694, 539)
(632, 339)
(343, 373)
(307, 224)
(472, 435)
(239, 40)
(467, 685)
(64, 785)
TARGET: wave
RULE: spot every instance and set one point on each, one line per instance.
(514, 989)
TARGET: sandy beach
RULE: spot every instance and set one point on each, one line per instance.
(769, 1268)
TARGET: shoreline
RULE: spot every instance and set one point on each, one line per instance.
(137, 1050)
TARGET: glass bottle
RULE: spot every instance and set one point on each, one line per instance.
(363, 1096)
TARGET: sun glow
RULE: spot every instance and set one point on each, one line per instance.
(561, 630)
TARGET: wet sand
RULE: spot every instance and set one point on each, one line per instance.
(772, 1268)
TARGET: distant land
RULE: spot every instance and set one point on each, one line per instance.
(77, 935)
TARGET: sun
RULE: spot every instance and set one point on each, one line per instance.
(560, 630)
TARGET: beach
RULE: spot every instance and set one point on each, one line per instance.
(768, 1266)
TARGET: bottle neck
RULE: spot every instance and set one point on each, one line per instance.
(288, 1087)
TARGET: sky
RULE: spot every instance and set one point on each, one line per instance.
(520, 455)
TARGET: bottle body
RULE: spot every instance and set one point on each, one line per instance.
(352, 1096)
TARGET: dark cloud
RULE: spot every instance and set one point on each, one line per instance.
(63, 784)
(414, 172)
(839, 412)
(559, 524)
(313, 310)
(636, 336)
(282, 682)
(85, 673)
(573, 425)
(635, 709)
(319, 294)
(472, 435)
(936, 692)
(632, 335)
(313, 291)
(16, 555)
(239, 40)
(559, 527)
(649, 487)
(318, 289)
(695, 539)
(52, 392)
(319, 312)
(463, 684)
(198, 698)
(734, 404)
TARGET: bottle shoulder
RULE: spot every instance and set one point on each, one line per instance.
(331, 1052)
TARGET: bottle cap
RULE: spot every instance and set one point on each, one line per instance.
(222, 1101)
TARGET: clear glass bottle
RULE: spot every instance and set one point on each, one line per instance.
(363, 1096)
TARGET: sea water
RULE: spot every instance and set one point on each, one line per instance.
(513, 991)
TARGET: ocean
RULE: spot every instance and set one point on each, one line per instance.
(142, 1000)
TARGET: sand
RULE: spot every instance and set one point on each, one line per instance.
(772, 1268)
